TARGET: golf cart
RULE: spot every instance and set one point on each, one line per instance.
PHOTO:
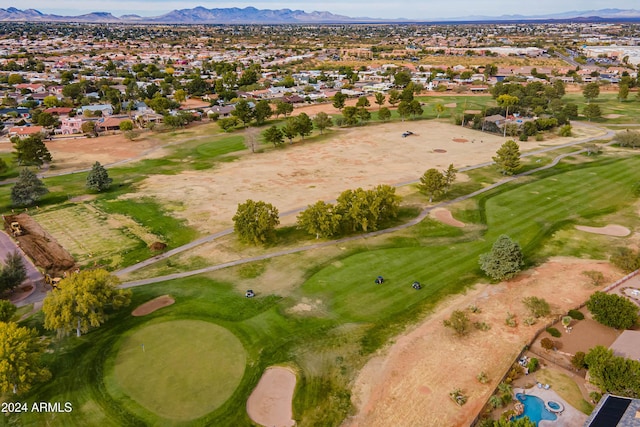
(417, 286)
(379, 280)
(407, 133)
(249, 294)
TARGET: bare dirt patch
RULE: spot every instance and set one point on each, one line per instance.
(305, 172)
(609, 230)
(439, 150)
(612, 116)
(404, 384)
(153, 305)
(444, 215)
(451, 105)
(460, 140)
(270, 403)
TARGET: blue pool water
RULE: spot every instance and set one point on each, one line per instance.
(534, 409)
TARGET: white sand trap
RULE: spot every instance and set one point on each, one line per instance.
(609, 230)
(450, 105)
(444, 215)
(270, 403)
(612, 116)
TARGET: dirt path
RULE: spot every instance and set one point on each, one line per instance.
(403, 385)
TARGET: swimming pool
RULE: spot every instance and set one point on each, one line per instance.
(534, 409)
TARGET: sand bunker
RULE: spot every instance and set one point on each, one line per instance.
(473, 111)
(459, 140)
(270, 403)
(450, 105)
(439, 150)
(609, 230)
(153, 305)
(444, 215)
(612, 116)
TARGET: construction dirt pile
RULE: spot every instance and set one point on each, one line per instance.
(39, 245)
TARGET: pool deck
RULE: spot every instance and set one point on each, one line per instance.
(570, 417)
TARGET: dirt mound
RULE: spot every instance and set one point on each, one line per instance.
(153, 305)
(40, 246)
(158, 246)
(270, 402)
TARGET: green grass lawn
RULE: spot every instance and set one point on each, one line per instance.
(180, 370)
(565, 387)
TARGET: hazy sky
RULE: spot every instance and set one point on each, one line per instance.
(412, 9)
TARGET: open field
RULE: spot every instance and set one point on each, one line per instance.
(333, 316)
(299, 175)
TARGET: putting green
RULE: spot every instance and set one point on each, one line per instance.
(181, 369)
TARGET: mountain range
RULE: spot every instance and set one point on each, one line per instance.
(251, 15)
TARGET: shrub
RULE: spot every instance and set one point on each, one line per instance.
(595, 396)
(511, 320)
(613, 310)
(554, 332)
(523, 137)
(576, 314)
(547, 343)
(482, 377)
(625, 259)
(482, 326)
(538, 307)
(578, 360)
(539, 137)
(565, 130)
(459, 322)
(596, 277)
(533, 364)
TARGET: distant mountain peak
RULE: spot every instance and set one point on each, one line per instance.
(251, 15)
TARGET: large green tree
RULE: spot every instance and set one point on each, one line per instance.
(613, 374)
(83, 301)
(613, 310)
(243, 112)
(283, 108)
(7, 310)
(322, 121)
(98, 178)
(592, 111)
(13, 273)
(28, 190)
(304, 125)
(21, 351)
(366, 210)
(273, 135)
(508, 158)
(320, 219)
(591, 91)
(256, 222)
(432, 183)
(350, 115)
(339, 100)
(384, 114)
(290, 129)
(31, 150)
(262, 111)
(504, 261)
